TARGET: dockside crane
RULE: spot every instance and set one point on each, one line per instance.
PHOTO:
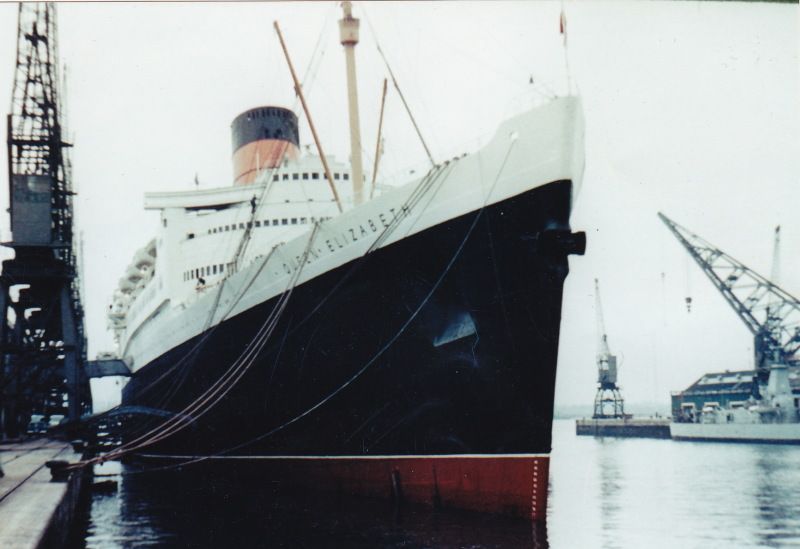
(770, 313)
(42, 340)
(608, 401)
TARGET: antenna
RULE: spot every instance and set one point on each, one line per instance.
(775, 274)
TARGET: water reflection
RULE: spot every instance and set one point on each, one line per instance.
(604, 493)
(631, 493)
(611, 493)
(777, 504)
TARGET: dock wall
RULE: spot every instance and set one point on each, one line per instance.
(628, 427)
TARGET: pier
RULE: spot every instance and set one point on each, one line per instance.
(624, 427)
(35, 510)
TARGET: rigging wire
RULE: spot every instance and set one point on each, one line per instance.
(184, 362)
(214, 394)
(380, 352)
(399, 91)
(237, 370)
(168, 427)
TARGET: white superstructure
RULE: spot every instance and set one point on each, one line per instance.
(221, 251)
(200, 232)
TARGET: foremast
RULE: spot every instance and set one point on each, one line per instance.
(348, 32)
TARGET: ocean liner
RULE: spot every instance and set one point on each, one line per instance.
(403, 343)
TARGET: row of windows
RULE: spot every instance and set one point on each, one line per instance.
(208, 270)
(313, 175)
(266, 223)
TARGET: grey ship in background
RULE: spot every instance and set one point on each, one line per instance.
(760, 405)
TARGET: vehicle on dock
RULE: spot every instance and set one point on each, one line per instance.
(37, 424)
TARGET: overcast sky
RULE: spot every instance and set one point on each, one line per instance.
(691, 107)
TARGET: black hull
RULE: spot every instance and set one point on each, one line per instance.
(436, 389)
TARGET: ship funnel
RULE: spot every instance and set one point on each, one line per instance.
(262, 137)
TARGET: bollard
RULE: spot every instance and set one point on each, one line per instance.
(58, 470)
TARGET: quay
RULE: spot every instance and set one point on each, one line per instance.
(35, 510)
(624, 427)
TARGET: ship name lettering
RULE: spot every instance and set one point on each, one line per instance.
(383, 220)
(363, 231)
(372, 225)
(352, 232)
(330, 246)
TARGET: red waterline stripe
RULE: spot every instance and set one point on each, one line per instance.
(514, 485)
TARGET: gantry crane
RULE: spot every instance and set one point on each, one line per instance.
(770, 313)
(608, 401)
(42, 343)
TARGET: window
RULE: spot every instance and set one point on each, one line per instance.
(294, 221)
(276, 222)
(275, 177)
(284, 221)
(295, 176)
(315, 175)
(214, 270)
(249, 224)
(221, 267)
(345, 176)
(305, 176)
(241, 225)
(286, 177)
(227, 227)
(336, 176)
(190, 236)
(303, 220)
(258, 223)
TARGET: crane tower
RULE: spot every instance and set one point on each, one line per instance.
(42, 343)
(608, 402)
(770, 313)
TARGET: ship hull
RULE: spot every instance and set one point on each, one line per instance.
(430, 363)
(762, 433)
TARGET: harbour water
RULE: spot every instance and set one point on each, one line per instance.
(609, 493)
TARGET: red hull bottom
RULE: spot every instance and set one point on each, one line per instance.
(514, 485)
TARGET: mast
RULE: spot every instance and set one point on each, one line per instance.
(348, 32)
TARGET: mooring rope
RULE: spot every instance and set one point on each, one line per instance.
(223, 385)
(371, 361)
